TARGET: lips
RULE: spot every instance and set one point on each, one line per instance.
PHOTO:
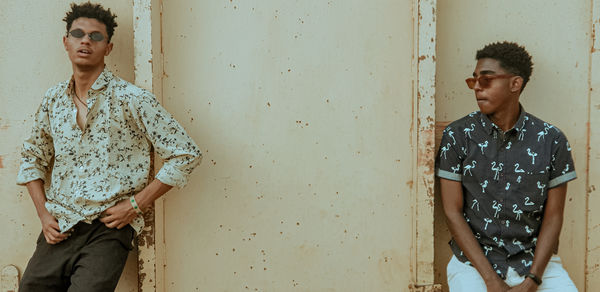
(84, 51)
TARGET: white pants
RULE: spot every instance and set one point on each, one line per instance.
(465, 278)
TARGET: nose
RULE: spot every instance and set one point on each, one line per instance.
(477, 86)
(86, 39)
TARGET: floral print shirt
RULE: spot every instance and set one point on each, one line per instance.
(505, 178)
(90, 170)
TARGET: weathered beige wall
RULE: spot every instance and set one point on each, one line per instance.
(558, 35)
(303, 110)
(593, 252)
(32, 59)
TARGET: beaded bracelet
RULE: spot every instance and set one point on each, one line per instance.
(135, 205)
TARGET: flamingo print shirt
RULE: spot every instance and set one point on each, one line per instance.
(505, 178)
(109, 160)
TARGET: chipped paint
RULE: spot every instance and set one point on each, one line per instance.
(425, 133)
(9, 280)
(427, 288)
(144, 77)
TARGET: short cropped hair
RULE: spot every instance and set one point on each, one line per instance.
(512, 57)
(95, 11)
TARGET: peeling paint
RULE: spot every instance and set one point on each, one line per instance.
(425, 131)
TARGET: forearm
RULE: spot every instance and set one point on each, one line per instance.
(38, 196)
(462, 234)
(150, 193)
(546, 243)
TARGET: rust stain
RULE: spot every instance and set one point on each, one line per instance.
(593, 49)
(423, 57)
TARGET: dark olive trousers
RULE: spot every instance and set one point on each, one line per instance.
(91, 259)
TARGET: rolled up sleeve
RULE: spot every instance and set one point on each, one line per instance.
(171, 142)
(562, 168)
(448, 162)
(38, 150)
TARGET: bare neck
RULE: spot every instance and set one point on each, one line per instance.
(507, 117)
(84, 79)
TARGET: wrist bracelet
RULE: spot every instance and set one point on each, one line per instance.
(535, 278)
(135, 205)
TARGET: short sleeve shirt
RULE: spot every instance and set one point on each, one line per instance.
(505, 178)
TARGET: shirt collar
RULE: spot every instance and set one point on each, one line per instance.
(101, 82)
(488, 125)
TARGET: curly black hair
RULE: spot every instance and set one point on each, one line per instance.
(95, 11)
(512, 57)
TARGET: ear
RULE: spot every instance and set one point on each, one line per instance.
(516, 84)
(65, 42)
(108, 49)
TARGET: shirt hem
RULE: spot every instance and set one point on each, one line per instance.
(448, 175)
(562, 179)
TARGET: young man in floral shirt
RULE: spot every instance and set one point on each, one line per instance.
(87, 163)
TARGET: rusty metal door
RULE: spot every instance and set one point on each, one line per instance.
(316, 121)
(317, 139)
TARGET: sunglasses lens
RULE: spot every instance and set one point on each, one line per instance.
(77, 33)
(484, 81)
(96, 36)
(471, 82)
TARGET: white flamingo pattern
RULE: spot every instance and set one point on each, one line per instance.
(484, 185)
(517, 170)
(527, 202)
(444, 150)
(455, 168)
(451, 134)
(497, 207)
(517, 212)
(483, 145)
(487, 249)
(541, 187)
(469, 167)
(505, 176)
(496, 169)
(469, 130)
(532, 154)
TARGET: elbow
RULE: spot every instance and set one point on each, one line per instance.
(554, 220)
(454, 214)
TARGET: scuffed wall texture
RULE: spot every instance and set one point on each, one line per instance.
(32, 59)
(303, 110)
(558, 36)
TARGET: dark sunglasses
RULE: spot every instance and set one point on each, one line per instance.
(94, 36)
(485, 80)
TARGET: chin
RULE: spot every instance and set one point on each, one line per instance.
(486, 110)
